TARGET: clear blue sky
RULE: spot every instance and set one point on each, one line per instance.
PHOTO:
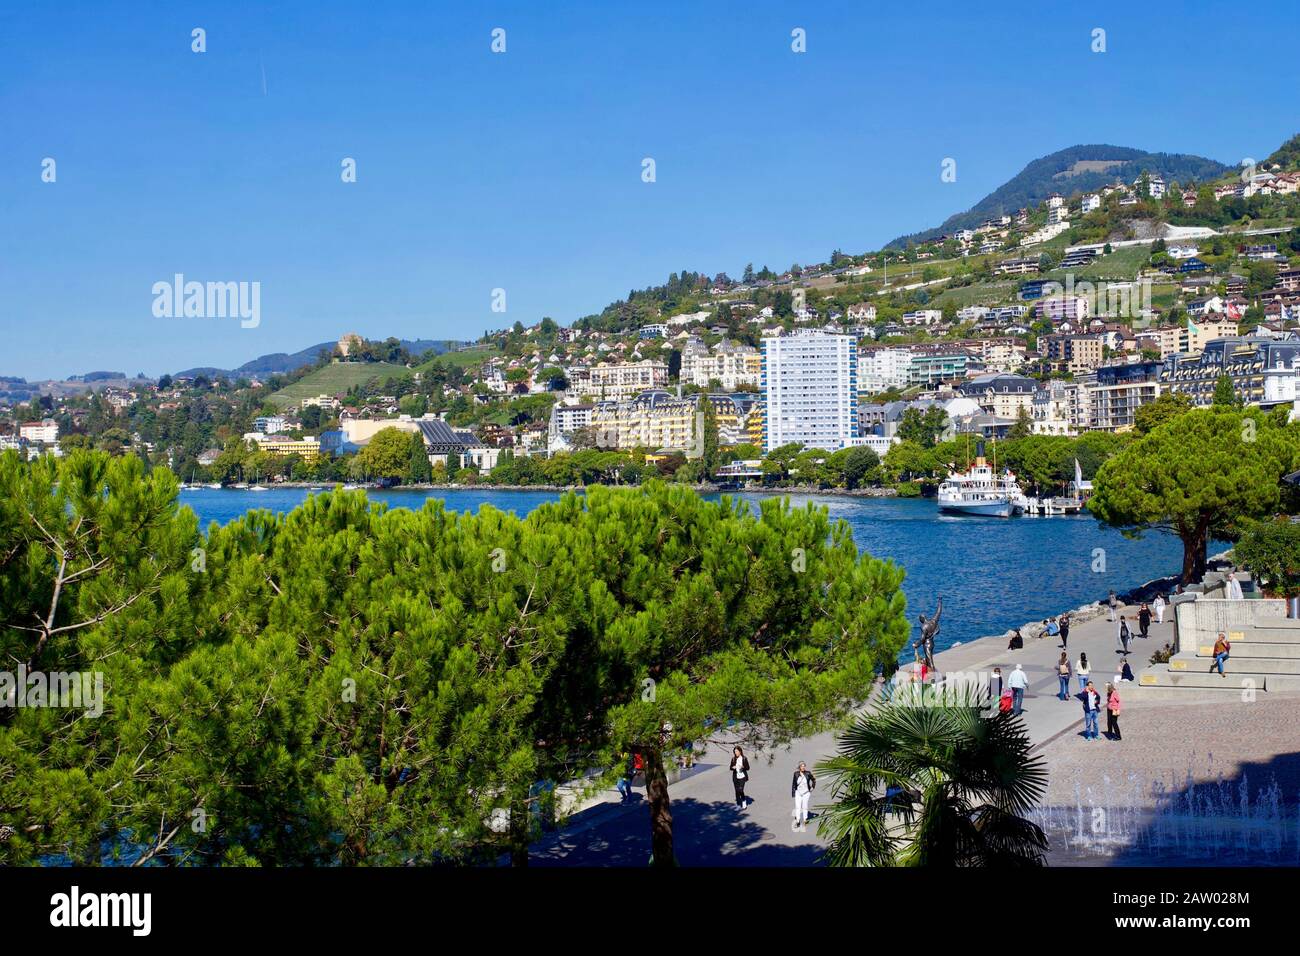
(523, 171)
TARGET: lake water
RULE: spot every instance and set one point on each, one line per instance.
(993, 573)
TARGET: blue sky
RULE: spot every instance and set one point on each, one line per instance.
(522, 170)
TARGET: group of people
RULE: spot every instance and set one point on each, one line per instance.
(1092, 704)
(802, 784)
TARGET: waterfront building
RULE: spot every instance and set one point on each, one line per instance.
(810, 389)
(1001, 394)
(1119, 390)
(282, 446)
(1053, 408)
(447, 446)
(653, 419)
(1256, 366)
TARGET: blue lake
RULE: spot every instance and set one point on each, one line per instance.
(993, 573)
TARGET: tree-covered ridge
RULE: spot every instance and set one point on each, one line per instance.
(1044, 176)
(358, 685)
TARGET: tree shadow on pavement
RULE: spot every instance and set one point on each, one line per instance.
(704, 834)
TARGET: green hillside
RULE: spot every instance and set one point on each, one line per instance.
(1077, 169)
(462, 359)
(334, 379)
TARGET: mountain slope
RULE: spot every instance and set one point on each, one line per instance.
(288, 362)
(1076, 169)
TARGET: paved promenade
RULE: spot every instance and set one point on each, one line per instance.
(710, 830)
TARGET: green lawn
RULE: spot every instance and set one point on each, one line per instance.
(461, 359)
(335, 379)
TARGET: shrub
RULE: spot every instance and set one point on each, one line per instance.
(1271, 550)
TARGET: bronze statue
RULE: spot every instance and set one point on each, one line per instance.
(929, 630)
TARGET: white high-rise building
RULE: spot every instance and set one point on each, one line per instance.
(810, 385)
(881, 368)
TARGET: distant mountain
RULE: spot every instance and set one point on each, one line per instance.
(286, 362)
(1077, 169)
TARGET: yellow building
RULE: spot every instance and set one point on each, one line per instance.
(282, 446)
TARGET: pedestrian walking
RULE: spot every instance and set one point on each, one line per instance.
(1065, 632)
(1159, 608)
(1113, 603)
(801, 788)
(1124, 634)
(1221, 650)
(739, 775)
(1112, 712)
(1018, 681)
(1091, 708)
(625, 782)
(1081, 669)
(1233, 586)
(1144, 619)
(1063, 676)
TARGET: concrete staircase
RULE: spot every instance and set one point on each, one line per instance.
(1265, 652)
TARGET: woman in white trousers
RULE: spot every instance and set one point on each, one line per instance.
(801, 788)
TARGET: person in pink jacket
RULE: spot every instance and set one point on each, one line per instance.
(1112, 712)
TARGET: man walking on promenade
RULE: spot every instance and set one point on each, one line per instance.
(1091, 708)
(1113, 603)
(1018, 681)
(1124, 634)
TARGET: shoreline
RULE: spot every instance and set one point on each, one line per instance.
(702, 488)
(1144, 592)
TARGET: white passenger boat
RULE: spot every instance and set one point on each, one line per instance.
(980, 491)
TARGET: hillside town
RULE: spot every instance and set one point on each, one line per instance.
(1017, 327)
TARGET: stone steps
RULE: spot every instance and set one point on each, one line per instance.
(1256, 650)
(1234, 681)
(1186, 663)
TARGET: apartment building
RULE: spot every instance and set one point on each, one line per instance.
(1001, 394)
(933, 365)
(1120, 389)
(881, 368)
(624, 379)
(810, 389)
(1073, 353)
(654, 419)
(564, 421)
(733, 365)
(44, 432)
(1249, 361)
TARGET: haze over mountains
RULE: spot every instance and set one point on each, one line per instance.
(1075, 169)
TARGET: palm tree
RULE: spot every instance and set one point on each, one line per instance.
(924, 779)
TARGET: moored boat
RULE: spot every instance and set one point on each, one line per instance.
(980, 491)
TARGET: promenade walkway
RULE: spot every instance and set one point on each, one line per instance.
(710, 831)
